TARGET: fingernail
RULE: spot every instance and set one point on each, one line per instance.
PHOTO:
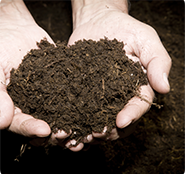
(73, 142)
(62, 132)
(126, 124)
(165, 78)
(89, 138)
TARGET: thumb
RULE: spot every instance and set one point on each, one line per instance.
(27, 125)
(156, 60)
(6, 104)
(158, 71)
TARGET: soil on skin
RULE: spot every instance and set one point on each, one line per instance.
(81, 87)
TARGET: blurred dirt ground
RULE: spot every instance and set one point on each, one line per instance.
(157, 145)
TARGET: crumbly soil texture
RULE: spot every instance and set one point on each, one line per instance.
(80, 88)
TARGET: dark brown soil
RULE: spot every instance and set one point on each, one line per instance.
(156, 146)
(81, 87)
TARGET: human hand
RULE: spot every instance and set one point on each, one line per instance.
(98, 19)
(19, 34)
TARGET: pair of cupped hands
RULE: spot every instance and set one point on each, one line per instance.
(19, 34)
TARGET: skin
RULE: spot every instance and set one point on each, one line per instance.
(97, 19)
(92, 19)
(19, 34)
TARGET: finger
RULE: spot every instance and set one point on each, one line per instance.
(101, 135)
(72, 146)
(156, 60)
(77, 148)
(113, 135)
(28, 126)
(158, 71)
(55, 139)
(6, 104)
(88, 138)
(135, 108)
(59, 137)
(122, 133)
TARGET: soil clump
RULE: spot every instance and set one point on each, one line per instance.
(80, 88)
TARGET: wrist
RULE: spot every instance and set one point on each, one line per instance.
(15, 11)
(85, 10)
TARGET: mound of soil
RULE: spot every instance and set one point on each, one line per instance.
(81, 87)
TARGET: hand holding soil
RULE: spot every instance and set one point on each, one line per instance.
(141, 43)
(19, 34)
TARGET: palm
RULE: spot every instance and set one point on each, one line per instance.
(112, 25)
(17, 40)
